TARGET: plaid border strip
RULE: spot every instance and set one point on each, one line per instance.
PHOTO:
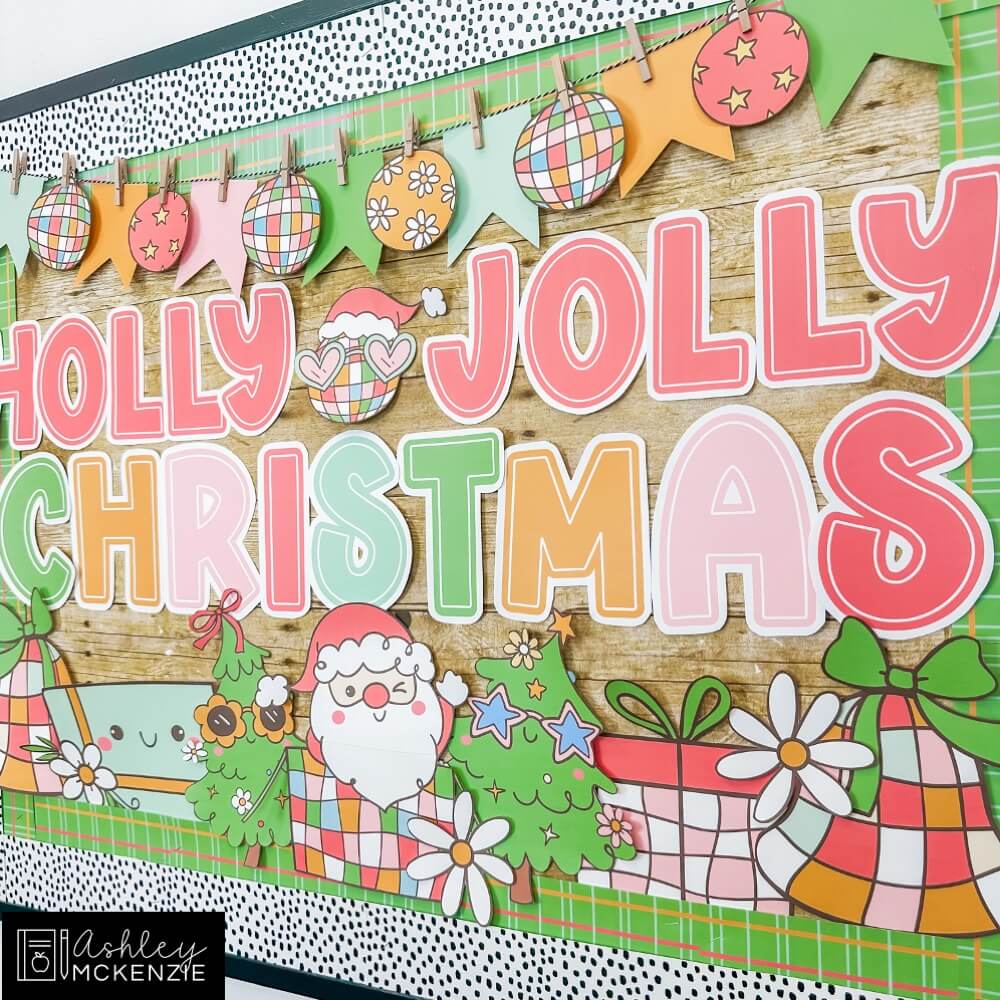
(969, 96)
(902, 964)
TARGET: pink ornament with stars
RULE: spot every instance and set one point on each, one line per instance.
(157, 232)
(744, 79)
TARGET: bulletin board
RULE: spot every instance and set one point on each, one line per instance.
(551, 501)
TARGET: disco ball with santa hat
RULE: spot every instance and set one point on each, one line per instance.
(363, 353)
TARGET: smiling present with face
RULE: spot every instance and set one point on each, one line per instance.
(146, 733)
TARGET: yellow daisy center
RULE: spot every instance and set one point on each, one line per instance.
(793, 754)
(86, 774)
(616, 826)
(461, 853)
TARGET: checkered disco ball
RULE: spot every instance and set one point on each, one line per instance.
(567, 159)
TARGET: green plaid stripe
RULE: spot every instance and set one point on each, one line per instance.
(970, 126)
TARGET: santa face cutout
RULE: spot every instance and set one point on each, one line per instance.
(376, 720)
(363, 353)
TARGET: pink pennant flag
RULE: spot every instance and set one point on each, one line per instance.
(216, 232)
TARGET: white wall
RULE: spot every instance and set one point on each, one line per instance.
(84, 36)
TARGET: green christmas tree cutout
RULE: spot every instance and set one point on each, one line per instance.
(527, 754)
(246, 726)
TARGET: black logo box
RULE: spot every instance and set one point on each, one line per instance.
(50, 955)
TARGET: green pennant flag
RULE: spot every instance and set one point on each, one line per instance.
(845, 34)
(486, 182)
(345, 224)
(14, 210)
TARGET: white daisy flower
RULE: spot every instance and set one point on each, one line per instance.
(463, 857)
(380, 213)
(82, 773)
(194, 750)
(421, 230)
(795, 748)
(424, 179)
(394, 168)
(271, 691)
(242, 802)
(448, 193)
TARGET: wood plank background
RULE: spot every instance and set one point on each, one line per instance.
(886, 133)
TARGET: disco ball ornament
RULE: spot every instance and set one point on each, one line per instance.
(357, 392)
(566, 159)
(158, 231)
(59, 226)
(281, 224)
(744, 78)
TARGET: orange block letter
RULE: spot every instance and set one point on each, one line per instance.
(591, 530)
(105, 523)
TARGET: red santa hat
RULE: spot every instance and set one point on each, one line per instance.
(364, 311)
(360, 635)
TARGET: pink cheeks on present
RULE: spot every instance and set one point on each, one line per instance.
(418, 708)
(338, 717)
(104, 743)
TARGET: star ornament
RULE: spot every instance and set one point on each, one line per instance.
(784, 79)
(562, 625)
(571, 735)
(161, 216)
(495, 715)
(743, 49)
(736, 100)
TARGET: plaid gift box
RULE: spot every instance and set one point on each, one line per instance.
(29, 665)
(692, 829)
(336, 834)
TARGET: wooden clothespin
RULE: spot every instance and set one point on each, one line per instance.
(410, 136)
(167, 168)
(120, 175)
(225, 172)
(69, 168)
(288, 159)
(742, 10)
(340, 155)
(638, 52)
(18, 165)
(476, 119)
(562, 87)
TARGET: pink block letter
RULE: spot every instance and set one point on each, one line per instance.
(17, 387)
(603, 272)
(72, 421)
(944, 272)
(899, 546)
(208, 501)
(257, 350)
(735, 498)
(797, 343)
(469, 377)
(284, 512)
(686, 361)
(191, 413)
(131, 417)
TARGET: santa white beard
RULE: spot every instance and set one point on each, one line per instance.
(385, 760)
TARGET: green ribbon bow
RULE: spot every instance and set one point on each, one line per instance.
(955, 670)
(15, 633)
(696, 719)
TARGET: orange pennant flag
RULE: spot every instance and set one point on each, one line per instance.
(109, 230)
(663, 110)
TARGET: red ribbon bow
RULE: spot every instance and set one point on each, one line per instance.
(209, 622)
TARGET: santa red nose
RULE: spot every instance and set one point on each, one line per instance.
(376, 695)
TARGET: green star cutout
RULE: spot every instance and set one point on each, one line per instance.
(845, 34)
